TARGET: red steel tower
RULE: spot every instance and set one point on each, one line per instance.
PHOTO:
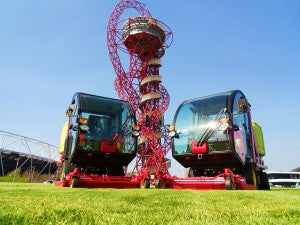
(144, 39)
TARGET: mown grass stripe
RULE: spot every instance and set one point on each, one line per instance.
(47, 204)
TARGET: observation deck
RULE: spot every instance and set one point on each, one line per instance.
(142, 35)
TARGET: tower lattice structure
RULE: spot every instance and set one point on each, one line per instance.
(144, 39)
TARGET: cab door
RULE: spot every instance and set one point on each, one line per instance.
(241, 132)
(73, 125)
(75, 122)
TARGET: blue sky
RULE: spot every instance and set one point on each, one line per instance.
(51, 49)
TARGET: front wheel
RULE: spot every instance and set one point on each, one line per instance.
(147, 183)
(66, 169)
(229, 185)
(250, 174)
(190, 172)
(74, 182)
(160, 183)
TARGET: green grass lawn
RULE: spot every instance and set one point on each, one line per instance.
(12, 179)
(47, 204)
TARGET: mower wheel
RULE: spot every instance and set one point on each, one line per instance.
(66, 168)
(190, 172)
(251, 175)
(147, 183)
(74, 182)
(264, 181)
(157, 183)
(229, 185)
(160, 183)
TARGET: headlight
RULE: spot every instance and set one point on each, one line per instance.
(171, 128)
(172, 133)
(84, 127)
(135, 133)
(137, 127)
(84, 121)
(223, 126)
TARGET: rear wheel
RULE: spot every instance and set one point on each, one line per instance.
(264, 181)
(250, 174)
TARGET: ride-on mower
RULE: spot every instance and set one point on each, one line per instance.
(217, 139)
(97, 143)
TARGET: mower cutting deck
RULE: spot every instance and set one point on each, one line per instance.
(223, 181)
(83, 180)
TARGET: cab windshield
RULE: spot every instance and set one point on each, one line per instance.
(194, 117)
(108, 120)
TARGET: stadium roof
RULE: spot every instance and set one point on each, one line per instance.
(296, 169)
(20, 152)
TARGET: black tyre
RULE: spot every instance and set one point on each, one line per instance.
(229, 185)
(157, 183)
(66, 169)
(74, 182)
(250, 174)
(147, 183)
(58, 174)
(190, 172)
(264, 181)
(160, 183)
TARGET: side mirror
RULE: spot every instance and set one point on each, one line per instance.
(243, 106)
(172, 131)
(71, 110)
(74, 127)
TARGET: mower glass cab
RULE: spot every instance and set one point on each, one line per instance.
(101, 129)
(211, 132)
